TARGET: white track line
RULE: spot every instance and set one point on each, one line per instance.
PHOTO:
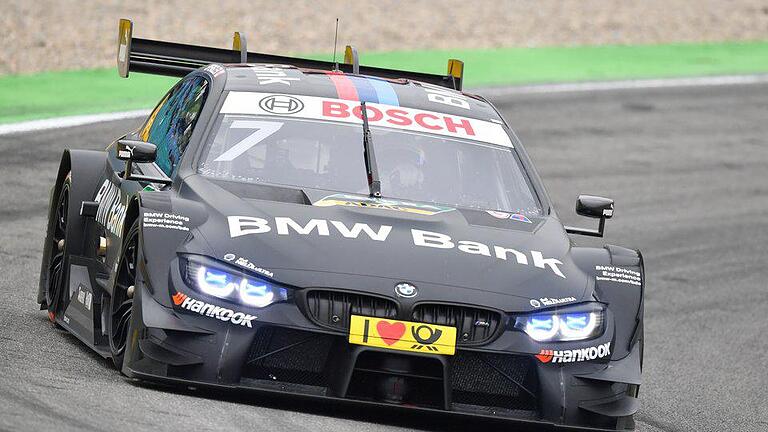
(645, 84)
(69, 121)
(491, 92)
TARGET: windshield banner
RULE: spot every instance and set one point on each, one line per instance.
(338, 110)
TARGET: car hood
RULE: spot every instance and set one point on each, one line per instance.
(324, 234)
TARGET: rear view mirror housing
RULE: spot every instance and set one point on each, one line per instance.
(593, 207)
(136, 151)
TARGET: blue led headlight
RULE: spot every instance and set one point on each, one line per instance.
(562, 325)
(217, 280)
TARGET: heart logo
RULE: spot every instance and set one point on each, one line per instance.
(390, 333)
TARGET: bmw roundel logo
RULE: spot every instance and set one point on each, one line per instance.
(281, 104)
(406, 290)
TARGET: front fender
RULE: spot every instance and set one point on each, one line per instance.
(619, 277)
(168, 226)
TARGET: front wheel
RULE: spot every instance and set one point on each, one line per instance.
(121, 304)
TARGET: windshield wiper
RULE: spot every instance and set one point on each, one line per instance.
(374, 185)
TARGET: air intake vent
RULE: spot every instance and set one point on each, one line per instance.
(333, 309)
(474, 326)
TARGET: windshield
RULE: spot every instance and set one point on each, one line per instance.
(327, 155)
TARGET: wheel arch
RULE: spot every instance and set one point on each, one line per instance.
(86, 168)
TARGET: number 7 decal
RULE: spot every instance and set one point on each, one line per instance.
(263, 130)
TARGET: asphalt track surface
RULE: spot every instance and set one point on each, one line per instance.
(688, 168)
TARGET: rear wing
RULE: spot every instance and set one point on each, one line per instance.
(174, 59)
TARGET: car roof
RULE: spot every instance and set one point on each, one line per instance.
(287, 79)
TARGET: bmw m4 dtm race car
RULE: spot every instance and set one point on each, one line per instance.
(344, 232)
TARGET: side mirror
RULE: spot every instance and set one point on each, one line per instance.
(136, 151)
(594, 207)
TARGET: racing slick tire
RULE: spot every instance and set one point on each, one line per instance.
(121, 303)
(56, 251)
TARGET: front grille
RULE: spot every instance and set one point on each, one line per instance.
(288, 356)
(474, 326)
(493, 380)
(333, 309)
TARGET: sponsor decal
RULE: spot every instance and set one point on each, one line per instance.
(272, 74)
(381, 203)
(546, 301)
(498, 214)
(348, 111)
(166, 221)
(519, 217)
(214, 69)
(281, 104)
(111, 212)
(246, 225)
(406, 290)
(84, 296)
(574, 355)
(246, 264)
(402, 335)
(513, 216)
(212, 311)
(445, 96)
(619, 275)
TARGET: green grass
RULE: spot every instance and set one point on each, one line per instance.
(51, 94)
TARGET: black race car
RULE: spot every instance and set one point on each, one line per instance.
(339, 231)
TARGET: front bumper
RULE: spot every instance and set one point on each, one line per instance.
(284, 352)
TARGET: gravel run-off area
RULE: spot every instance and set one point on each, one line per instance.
(70, 34)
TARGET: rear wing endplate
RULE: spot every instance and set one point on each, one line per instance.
(174, 59)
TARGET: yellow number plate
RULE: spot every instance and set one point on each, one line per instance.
(402, 335)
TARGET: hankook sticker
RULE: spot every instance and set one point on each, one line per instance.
(212, 311)
(574, 355)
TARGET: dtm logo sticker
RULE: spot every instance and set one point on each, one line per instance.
(574, 355)
(281, 104)
(212, 311)
(111, 212)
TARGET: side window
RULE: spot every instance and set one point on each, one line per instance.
(171, 124)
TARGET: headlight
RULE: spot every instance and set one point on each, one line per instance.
(562, 326)
(215, 280)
